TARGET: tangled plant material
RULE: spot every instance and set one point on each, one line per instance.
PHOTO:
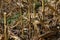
(30, 19)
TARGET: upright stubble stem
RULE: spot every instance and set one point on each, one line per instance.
(5, 28)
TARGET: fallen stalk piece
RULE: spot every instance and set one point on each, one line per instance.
(47, 34)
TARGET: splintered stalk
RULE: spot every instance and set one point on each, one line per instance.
(5, 28)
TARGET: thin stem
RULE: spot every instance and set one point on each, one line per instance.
(35, 1)
(43, 9)
(5, 29)
(42, 5)
(21, 19)
(29, 15)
